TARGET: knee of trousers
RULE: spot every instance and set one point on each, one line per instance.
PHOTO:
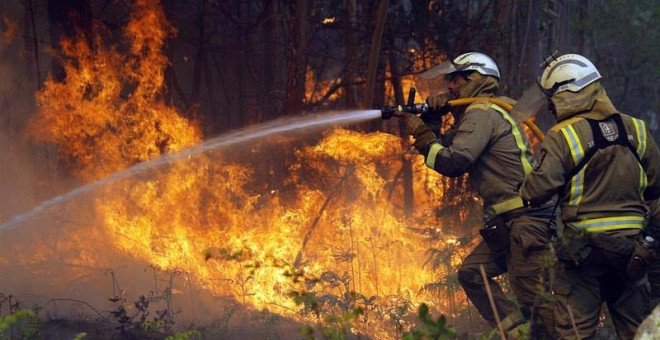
(469, 277)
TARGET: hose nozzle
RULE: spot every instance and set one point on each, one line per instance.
(398, 110)
(388, 112)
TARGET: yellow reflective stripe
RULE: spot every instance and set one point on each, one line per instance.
(508, 205)
(574, 143)
(577, 187)
(640, 130)
(643, 180)
(433, 153)
(610, 223)
(577, 152)
(527, 166)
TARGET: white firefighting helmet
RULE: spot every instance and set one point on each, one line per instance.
(434, 81)
(568, 72)
(475, 61)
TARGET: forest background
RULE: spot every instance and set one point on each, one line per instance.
(237, 63)
(232, 64)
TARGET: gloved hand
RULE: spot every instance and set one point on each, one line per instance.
(438, 104)
(414, 126)
(448, 137)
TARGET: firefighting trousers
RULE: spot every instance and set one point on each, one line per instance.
(580, 292)
(527, 261)
(654, 281)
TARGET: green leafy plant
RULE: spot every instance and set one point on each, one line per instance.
(187, 335)
(16, 319)
(431, 329)
(138, 319)
(336, 315)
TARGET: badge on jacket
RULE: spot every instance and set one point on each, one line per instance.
(608, 131)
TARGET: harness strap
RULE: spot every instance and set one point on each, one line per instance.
(601, 141)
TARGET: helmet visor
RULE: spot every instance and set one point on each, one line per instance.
(530, 104)
(440, 70)
(434, 81)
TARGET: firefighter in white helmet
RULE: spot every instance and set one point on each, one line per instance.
(603, 165)
(491, 147)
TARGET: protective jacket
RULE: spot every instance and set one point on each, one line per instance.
(488, 145)
(654, 222)
(604, 167)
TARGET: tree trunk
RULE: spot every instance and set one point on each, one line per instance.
(530, 54)
(297, 60)
(351, 100)
(65, 19)
(374, 52)
(408, 195)
(32, 45)
(583, 10)
(200, 54)
(270, 57)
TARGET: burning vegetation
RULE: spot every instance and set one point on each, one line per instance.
(109, 113)
(303, 228)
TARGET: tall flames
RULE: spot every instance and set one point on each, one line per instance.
(109, 112)
(254, 222)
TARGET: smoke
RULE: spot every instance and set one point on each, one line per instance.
(16, 105)
(34, 266)
(16, 178)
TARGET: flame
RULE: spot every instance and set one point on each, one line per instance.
(334, 214)
(322, 92)
(109, 113)
(234, 235)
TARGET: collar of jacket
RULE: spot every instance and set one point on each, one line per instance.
(591, 102)
(477, 85)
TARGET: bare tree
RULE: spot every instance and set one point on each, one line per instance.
(351, 99)
(297, 58)
(374, 52)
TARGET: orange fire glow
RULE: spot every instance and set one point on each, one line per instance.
(109, 112)
(336, 215)
(10, 32)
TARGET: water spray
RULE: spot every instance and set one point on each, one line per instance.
(289, 124)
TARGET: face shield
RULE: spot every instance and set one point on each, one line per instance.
(435, 81)
(531, 103)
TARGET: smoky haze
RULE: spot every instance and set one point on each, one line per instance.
(18, 162)
(62, 259)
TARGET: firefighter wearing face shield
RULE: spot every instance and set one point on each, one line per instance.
(488, 145)
(603, 165)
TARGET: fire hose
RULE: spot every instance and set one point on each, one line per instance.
(388, 112)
